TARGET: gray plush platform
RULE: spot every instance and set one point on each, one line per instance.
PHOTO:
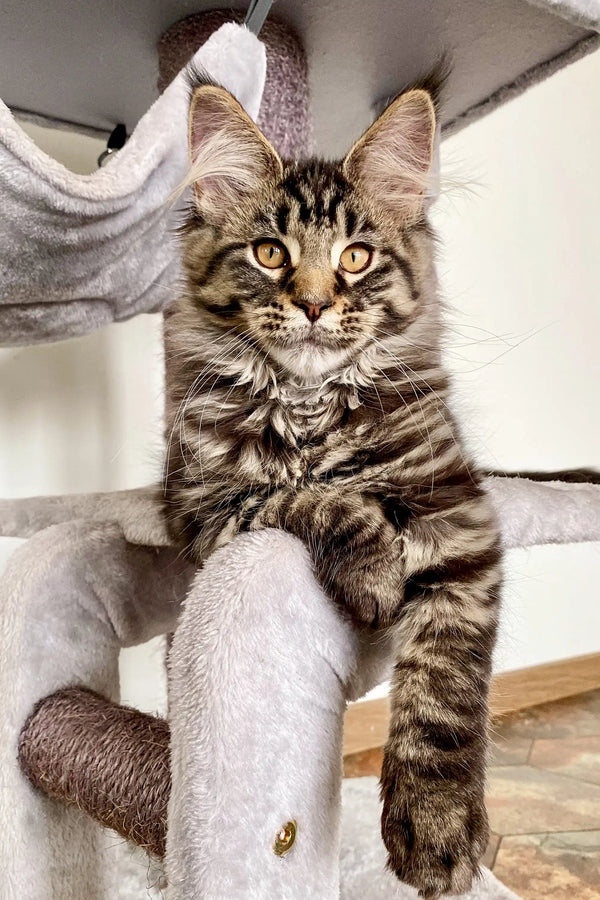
(376, 46)
(82, 251)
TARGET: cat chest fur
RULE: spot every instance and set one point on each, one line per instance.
(280, 438)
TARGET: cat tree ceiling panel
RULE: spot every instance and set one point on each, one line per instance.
(94, 64)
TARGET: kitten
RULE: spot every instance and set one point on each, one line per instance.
(305, 391)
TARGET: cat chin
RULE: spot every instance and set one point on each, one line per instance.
(307, 361)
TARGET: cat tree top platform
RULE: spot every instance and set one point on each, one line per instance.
(79, 252)
(95, 64)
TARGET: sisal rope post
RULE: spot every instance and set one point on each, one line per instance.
(110, 761)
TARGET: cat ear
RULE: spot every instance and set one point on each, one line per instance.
(229, 156)
(391, 161)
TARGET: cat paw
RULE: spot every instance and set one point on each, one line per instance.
(435, 837)
(372, 590)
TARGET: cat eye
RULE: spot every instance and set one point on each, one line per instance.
(356, 258)
(270, 254)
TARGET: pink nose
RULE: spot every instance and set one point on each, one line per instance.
(312, 308)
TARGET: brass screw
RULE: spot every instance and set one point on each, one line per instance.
(285, 837)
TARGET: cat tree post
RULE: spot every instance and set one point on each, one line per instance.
(70, 599)
(257, 694)
(260, 669)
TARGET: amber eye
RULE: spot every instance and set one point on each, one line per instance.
(270, 254)
(355, 258)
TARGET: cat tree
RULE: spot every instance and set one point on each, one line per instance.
(98, 573)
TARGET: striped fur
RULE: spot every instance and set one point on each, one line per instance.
(339, 431)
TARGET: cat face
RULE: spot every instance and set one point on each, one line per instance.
(309, 262)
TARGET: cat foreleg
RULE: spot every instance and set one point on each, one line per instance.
(434, 821)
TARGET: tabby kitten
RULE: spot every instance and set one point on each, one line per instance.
(306, 392)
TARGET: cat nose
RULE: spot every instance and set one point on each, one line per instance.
(312, 306)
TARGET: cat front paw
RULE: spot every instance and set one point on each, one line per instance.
(372, 589)
(434, 835)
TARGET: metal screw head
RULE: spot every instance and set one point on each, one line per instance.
(285, 837)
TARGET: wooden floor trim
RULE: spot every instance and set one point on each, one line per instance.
(367, 722)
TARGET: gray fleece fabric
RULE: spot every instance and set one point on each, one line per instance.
(260, 671)
(70, 598)
(78, 252)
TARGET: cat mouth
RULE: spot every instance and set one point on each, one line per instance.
(316, 336)
(313, 336)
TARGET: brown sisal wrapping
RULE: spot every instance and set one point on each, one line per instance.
(111, 761)
(284, 116)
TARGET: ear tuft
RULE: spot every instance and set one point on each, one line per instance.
(391, 161)
(230, 157)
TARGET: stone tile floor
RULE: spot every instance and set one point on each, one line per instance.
(543, 799)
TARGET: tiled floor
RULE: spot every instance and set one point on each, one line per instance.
(543, 799)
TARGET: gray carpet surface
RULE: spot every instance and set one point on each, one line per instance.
(364, 876)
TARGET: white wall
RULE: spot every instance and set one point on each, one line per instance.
(521, 267)
(86, 415)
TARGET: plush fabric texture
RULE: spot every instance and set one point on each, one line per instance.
(138, 513)
(266, 747)
(553, 512)
(531, 76)
(580, 12)
(81, 251)
(256, 729)
(69, 599)
(362, 857)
